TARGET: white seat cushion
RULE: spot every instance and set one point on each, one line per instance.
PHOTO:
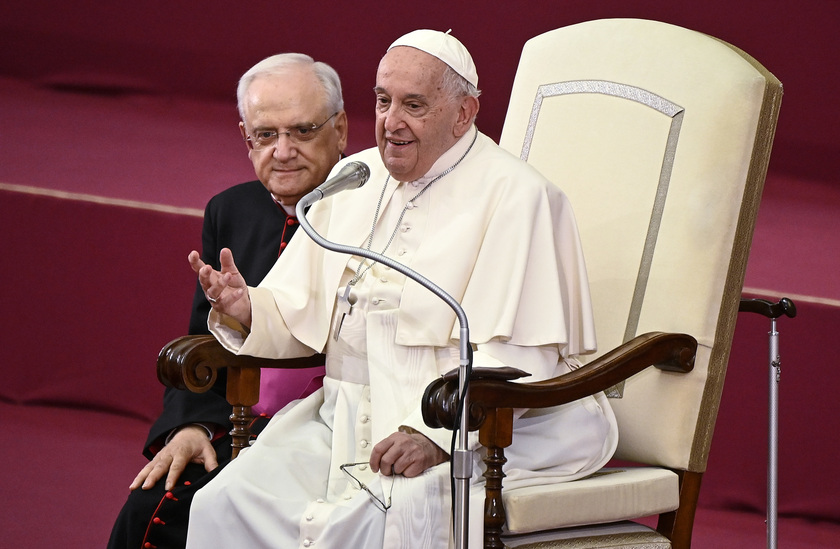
(620, 535)
(611, 495)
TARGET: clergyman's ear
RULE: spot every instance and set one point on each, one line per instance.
(466, 115)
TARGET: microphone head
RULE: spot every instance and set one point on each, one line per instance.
(351, 176)
(361, 172)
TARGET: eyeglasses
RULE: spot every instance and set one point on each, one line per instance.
(381, 505)
(265, 139)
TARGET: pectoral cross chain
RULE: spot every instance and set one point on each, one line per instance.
(345, 307)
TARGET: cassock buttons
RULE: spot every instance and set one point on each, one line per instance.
(291, 221)
(364, 443)
(307, 542)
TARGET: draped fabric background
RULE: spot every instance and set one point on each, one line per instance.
(118, 123)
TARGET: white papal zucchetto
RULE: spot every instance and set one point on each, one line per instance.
(445, 47)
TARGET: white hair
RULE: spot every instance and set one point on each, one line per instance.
(456, 85)
(278, 64)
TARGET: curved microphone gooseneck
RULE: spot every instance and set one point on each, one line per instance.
(354, 175)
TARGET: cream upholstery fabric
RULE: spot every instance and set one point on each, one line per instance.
(660, 136)
(609, 496)
(650, 130)
(626, 534)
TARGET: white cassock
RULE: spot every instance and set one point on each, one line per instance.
(502, 241)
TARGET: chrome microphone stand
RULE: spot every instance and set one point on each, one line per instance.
(461, 461)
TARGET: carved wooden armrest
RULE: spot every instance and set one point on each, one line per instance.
(192, 363)
(494, 388)
(493, 395)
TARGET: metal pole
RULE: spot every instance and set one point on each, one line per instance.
(773, 438)
(462, 460)
(772, 311)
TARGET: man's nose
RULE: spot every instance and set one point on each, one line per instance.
(394, 118)
(284, 148)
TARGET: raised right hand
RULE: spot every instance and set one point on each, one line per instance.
(226, 289)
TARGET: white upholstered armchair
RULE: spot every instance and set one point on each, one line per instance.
(661, 137)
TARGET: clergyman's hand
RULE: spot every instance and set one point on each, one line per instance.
(406, 454)
(226, 289)
(189, 445)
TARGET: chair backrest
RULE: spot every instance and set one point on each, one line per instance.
(661, 138)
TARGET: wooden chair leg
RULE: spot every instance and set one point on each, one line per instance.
(243, 391)
(678, 525)
(241, 433)
(494, 507)
(495, 434)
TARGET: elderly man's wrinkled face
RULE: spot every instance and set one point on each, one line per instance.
(416, 120)
(278, 103)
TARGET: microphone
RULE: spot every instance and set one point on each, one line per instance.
(351, 176)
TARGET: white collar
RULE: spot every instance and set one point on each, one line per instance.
(290, 210)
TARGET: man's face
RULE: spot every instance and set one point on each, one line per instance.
(416, 120)
(290, 170)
